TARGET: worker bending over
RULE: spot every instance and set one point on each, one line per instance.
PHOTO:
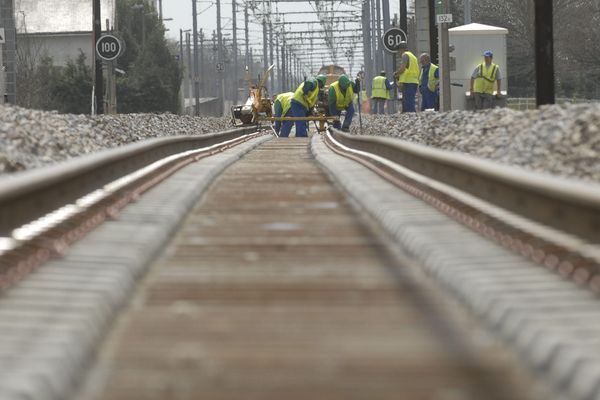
(341, 95)
(281, 107)
(303, 101)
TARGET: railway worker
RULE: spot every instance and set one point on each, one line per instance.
(485, 78)
(408, 76)
(303, 100)
(341, 97)
(281, 107)
(429, 80)
(380, 93)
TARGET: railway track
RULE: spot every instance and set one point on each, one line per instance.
(274, 287)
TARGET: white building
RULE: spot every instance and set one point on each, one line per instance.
(59, 28)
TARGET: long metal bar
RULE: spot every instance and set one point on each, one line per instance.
(571, 207)
(38, 192)
(312, 22)
(544, 53)
(324, 12)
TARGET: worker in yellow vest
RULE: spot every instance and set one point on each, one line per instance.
(429, 79)
(281, 107)
(304, 99)
(340, 98)
(380, 93)
(485, 79)
(408, 76)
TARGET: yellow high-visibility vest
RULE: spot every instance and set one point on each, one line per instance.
(342, 101)
(285, 99)
(410, 74)
(486, 80)
(311, 97)
(432, 83)
(380, 90)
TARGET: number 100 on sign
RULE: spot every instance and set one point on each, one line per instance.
(108, 47)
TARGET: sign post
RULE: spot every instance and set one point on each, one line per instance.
(109, 48)
(443, 19)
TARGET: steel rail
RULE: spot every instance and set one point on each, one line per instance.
(548, 220)
(571, 207)
(79, 210)
(32, 194)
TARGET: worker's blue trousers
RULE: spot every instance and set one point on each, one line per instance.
(347, 118)
(296, 110)
(428, 99)
(409, 97)
(377, 105)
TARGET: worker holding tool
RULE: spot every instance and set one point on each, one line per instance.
(341, 96)
(281, 108)
(304, 99)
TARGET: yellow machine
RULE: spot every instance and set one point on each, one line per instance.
(259, 108)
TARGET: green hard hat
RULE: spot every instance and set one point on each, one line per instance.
(344, 81)
(322, 79)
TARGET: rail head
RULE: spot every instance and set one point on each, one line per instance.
(571, 206)
(30, 194)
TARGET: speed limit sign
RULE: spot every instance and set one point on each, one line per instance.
(392, 39)
(108, 47)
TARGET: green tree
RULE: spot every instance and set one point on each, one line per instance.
(153, 76)
(71, 89)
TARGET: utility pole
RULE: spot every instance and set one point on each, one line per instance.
(248, 66)
(8, 51)
(196, 72)
(183, 71)
(98, 81)
(468, 11)
(283, 80)
(265, 55)
(160, 13)
(433, 36)
(367, 56)
(544, 53)
(234, 96)
(378, 33)
(388, 61)
(220, 79)
(444, 60)
(202, 64)
(374, 36)
(404, 16)
(272, 77)
(190, 66)
(111, 98)
(276, 83)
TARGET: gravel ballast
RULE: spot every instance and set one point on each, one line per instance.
(559, 140)
(32, 138)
